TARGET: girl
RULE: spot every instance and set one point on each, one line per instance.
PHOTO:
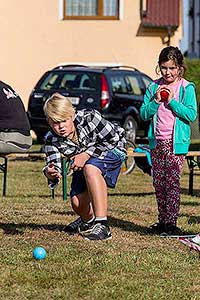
(170, 104)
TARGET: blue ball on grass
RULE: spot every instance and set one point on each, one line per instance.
(39, 253)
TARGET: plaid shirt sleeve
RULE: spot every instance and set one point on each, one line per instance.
(53, 156)
(55, 147)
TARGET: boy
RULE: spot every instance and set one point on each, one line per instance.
(96, 148)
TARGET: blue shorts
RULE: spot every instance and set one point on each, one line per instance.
(110, 168)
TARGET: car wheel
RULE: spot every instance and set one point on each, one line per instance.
(129, 163)
(130, 127)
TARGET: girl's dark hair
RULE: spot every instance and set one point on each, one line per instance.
(172, 53)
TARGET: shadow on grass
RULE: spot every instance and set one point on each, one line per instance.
(132, 227)
(64, 213)
(131, 194)
(127, 226)
(191, 219)
(190, 203)
(18, 229)
(194, 220)
(196, 192)
(44, 196)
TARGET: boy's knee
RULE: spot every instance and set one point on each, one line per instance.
(90, 170)
(74, 199)
(75, 203)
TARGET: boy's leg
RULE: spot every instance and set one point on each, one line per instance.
(82, 206)
(96, 175)
(99, 174)
(97, 190)
(94, 212)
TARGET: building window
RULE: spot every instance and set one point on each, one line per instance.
(91, 9)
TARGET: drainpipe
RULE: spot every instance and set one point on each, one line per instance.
(169, 34)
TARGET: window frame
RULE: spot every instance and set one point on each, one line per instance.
(100, 15)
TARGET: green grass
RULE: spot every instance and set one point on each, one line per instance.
(133, 265)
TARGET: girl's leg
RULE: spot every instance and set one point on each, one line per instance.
(174, 166)
(159, 181)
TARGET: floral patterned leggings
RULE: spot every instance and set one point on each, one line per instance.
(167, 167)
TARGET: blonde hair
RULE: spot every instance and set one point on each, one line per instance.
(58, 108)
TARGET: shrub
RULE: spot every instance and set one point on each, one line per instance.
(193, 74)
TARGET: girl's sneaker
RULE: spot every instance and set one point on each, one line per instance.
(156, 228)
(171, 229)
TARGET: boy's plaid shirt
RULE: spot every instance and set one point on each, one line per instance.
(96, 137)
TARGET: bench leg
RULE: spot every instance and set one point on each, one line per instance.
(5, 176)
(64, 177)
(3, 168)
(191, 166)
(191, 175)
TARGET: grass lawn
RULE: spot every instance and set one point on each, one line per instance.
(133, 265)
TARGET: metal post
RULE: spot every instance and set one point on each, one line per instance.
(64, 177)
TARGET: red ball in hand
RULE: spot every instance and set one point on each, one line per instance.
(164, 93)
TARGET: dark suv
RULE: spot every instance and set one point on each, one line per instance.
(117, 92)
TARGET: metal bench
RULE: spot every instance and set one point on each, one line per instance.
(13, 156)
(191, 161)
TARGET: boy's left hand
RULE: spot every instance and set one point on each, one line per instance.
(79, 161)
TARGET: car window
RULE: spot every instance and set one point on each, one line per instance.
(127, 84)
(70, 81)
(118, 84)
(133, 85)
(50, 82)
(146, 81)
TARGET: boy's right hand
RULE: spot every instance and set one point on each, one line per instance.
(51, 173)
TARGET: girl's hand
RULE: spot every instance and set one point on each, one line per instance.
(158, 96)
(168, 98)
(51, 173)
(79, 161)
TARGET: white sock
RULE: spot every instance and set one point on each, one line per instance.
(90, 220)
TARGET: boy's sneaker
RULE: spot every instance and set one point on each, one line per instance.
(85, 228)
(99, 232)
(72, 228)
